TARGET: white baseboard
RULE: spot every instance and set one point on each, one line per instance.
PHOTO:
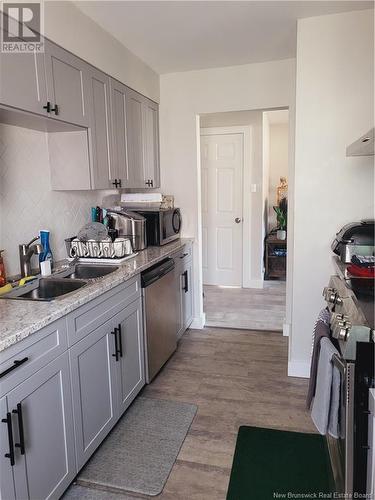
(286, 329)
(198, 322)
(253, 284)
(298, 369)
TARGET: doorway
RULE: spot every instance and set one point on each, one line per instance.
(239, 162)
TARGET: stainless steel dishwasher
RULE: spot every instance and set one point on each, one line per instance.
(160, 308)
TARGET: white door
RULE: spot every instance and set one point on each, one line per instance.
(222, 169)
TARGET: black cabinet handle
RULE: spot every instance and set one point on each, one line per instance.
(149, 183)
(16, 364)
(184, 255)
(47, 107)
(152, 183)
(116, 345)
(8, 421)
(117, 183)
(119, 339)
(55, 109)
(21, 444)
(186, 281)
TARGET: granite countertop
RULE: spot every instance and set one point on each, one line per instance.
(21, 318)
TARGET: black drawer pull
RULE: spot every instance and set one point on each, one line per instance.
(186, 281)
(16, 364)
(115, 355)
(21, 444)
(183, 255)
(8, 421)
(47, 107)
(119, 339)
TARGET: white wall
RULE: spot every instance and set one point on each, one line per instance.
(254, 167)
(185, 95)
(278, 165)
(334, 106)
(67, 26)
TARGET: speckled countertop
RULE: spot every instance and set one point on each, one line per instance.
(21, 318)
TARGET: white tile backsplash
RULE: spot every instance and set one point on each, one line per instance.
(27, 203)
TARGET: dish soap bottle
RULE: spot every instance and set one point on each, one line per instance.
(46, 255)
(3, 278)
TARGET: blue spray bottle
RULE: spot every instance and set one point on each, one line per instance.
(44, 239)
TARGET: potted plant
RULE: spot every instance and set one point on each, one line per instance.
(281, 216)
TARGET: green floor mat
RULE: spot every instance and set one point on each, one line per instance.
(271, 464)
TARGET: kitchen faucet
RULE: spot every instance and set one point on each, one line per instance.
(26, 252)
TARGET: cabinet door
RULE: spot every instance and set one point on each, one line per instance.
(99, 128)
(134, 119)
(92, 366)
(67, 85)
(119, 166)
(23, 82)
(6, 469)
(151, 143)
(47, 466)
(131, 377)
(187, 295)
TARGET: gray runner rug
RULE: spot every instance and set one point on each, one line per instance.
(139, 453)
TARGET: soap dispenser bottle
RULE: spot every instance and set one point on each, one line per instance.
(46, 254)
(3, 278)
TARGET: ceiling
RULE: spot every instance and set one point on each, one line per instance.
(172, 36)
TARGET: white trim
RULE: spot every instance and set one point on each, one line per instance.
(286, 329)
(298, 369)
(247, 133)
(254, 284)
(198, 322)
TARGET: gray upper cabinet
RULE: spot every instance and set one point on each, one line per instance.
(99, 129)
(119, 172)
(67, 85)
(93, 382)
(135, 139)
(143, 141)
(42, 423)
(131, 377)
(151, 143)
(22, 82)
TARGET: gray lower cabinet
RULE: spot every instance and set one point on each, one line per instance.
(40, 410)
(67, 85)
(93, 383)
(107, 371)
(130, 373)
(7, 491)
(186, 294)
(184, 273)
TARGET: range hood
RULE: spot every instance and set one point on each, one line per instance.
(364, 146)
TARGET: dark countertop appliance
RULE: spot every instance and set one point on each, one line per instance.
(162, 226)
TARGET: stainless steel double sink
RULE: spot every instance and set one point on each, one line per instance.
(61, 283)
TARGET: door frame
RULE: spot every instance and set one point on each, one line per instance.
(246, 131)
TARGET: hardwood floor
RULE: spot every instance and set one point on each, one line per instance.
(250, 308)
(235, 377)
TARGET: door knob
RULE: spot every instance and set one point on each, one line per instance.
(237, 220)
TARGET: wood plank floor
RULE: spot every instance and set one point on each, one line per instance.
(249, 308)
(235, 377)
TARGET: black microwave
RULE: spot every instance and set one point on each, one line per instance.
(162, 226)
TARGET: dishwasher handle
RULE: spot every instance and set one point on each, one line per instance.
(156, 272)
